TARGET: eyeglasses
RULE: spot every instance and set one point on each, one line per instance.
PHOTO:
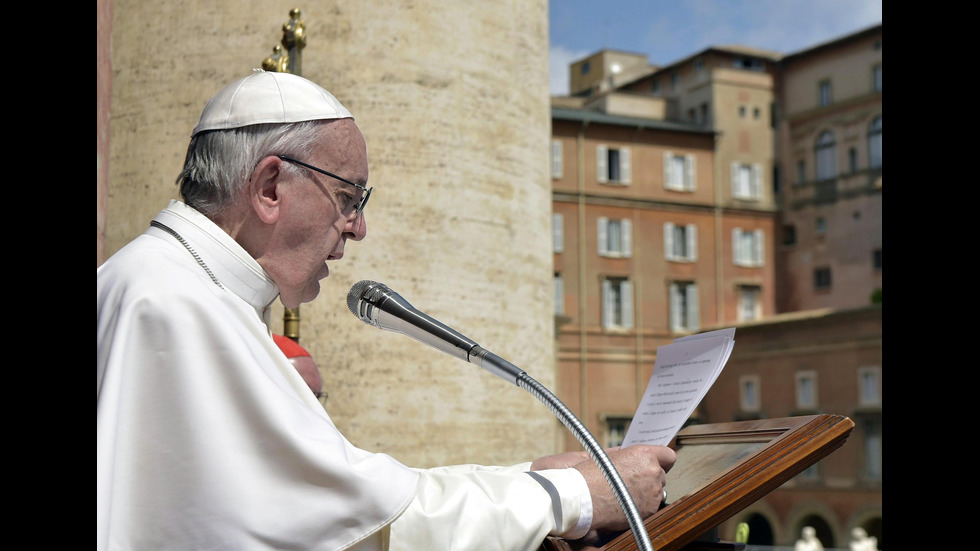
(367, 191)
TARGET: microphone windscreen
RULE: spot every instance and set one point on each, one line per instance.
(356, 291)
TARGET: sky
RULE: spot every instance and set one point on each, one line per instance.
(669, 30)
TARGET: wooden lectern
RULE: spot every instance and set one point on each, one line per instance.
(721, 469)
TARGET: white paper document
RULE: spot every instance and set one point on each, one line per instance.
(682, 375)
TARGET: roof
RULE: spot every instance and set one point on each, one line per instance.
(585, 115)
(833, 43)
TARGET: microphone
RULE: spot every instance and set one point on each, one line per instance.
(375, 304)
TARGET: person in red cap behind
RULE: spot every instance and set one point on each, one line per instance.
(302, 361)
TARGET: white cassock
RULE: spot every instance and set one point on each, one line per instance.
(208, 438)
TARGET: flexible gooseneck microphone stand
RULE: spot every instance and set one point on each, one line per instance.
(375, 304)
(582, 434)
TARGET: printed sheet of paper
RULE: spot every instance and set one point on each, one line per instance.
(682, 375)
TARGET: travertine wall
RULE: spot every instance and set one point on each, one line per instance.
(452, 98)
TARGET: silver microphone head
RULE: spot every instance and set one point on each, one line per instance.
(368, 290)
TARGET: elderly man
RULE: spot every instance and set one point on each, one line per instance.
(208, 438)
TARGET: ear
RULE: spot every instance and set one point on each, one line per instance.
(264, 189)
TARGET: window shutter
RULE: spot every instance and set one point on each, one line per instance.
(675, 307)
(669, 240)
(735, 190)
(693, 311)
(626, 245)
(626, 294)
(668, 180)
(559, 295)
(756, 191)
(601, 169)
(758, 255)
(602, 223)
(557, 162)
(624, 165)
(558, 232)
(690, 180)
(737, 246)
(607, 306)
(692, 242)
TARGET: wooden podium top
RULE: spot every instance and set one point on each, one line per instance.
(723, 468)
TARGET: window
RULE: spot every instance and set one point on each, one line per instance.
(821, 278)
(616, 428)
(876, 78)
(852, 160)
(704, 115)
(698, 64)
(656, 87)
(615, 237)
(749, 63)
(876, 259)
(746, 180)
(806, 390)
(748, 247)
(679, 171)
(756, 113)
(820, 225)
(680, 242)
(692, 115)
(617, 303)
(874, 143)
(558, 232)
(869, 386)
(824, 93)
(789, 234)
(586, 67)
(741, 111)
(811, 473)
(684, 309)
(612, 164)
(557, 163)
(749, 388)
(776, 180)
(872, 448)
(559, 294)
(675, 82)
(826, 154)
(800, 173)
(749, 302)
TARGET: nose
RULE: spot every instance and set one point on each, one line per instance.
(356, 228)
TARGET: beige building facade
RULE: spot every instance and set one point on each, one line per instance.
(829, 146)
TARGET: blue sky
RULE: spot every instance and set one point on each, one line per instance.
(669, 30)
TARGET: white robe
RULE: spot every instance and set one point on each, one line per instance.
(208, 438)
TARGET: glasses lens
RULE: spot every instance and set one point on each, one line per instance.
(364, 200)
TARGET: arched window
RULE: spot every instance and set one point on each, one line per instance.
(874, 143)
(826, 154)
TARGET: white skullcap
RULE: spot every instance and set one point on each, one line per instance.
(269, 97)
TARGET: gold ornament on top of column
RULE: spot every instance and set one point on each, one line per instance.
(287, 57)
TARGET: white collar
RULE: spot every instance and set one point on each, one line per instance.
(226, 259)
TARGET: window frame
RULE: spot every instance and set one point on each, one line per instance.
(624, 245)
(604, 154)
(617, 311)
